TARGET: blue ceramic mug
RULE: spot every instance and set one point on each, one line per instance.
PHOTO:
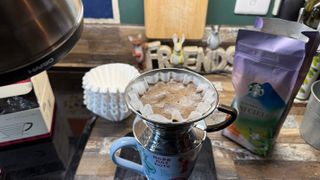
(155, 166)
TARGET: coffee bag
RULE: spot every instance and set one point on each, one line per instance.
(268, 70)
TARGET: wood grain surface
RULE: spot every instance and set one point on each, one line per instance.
(105, 43)
(291, 157)
(163, 18)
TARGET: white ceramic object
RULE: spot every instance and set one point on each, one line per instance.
(213, 40)
(104, 88)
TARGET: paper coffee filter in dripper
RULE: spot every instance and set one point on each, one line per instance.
(141, 86)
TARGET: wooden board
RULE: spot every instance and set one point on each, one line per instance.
(163, 18)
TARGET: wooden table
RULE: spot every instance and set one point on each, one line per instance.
(291, 157)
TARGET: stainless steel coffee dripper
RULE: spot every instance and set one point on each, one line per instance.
(174, 138)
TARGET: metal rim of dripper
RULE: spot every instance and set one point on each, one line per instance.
(177, 70)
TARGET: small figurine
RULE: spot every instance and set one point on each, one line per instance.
(138, 49)
(177, 56)
(213, 40)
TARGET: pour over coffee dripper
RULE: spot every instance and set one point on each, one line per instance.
(184, 76)
(168, 149)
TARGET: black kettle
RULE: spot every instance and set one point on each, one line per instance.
(35, 34)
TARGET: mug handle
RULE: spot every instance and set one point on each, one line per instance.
(125, 142)
(232, 116)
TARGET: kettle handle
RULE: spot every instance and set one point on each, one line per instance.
(232, 116)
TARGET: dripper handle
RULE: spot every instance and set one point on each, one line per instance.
(229, 120)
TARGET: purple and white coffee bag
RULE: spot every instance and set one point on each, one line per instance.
(269, 67)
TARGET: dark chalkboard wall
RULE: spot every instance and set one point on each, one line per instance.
(131, 12)
(219, 12)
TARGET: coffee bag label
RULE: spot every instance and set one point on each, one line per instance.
(259, 113)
